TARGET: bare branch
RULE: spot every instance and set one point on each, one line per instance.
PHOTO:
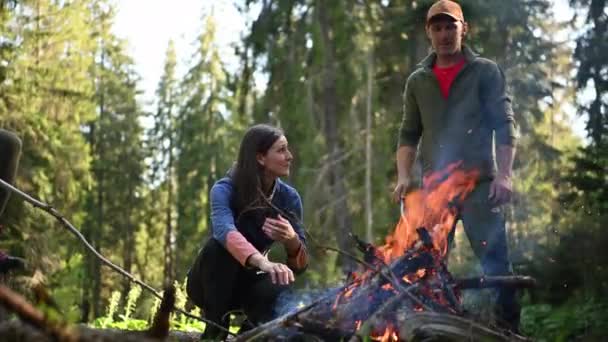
(64, 222)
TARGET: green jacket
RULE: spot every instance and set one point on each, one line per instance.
(463, 126)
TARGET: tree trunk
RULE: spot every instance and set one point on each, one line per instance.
(129, 241)
(168, 246)
(369, 232)
(100, 188)
(329, 100)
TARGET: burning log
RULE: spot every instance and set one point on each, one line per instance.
(430, 326)
(339, 315)
(407, 292)
(414, 296)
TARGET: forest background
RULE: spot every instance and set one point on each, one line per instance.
(134, 172)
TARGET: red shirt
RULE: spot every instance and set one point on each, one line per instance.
(446, 76)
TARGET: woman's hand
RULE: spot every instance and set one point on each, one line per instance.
(279, 273)
(279, 230)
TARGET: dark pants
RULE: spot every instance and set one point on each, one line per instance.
(218, 284)
(484, 226)
(10, 149)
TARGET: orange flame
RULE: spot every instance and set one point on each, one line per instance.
(430, 207)
(412, 278)
(387, 287)
(389, 335)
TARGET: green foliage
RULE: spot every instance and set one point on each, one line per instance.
(141, 196)
(591, 73)
(127, 321)
(105, 321)
(65, 283)
(182, 322)
(576, 320)
(581, 256)
(206, 142)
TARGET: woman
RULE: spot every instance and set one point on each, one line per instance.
(251, 209)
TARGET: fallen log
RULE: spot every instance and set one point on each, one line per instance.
(19, 331)
(495, 281)
(33, 325)
(15, 303)
(431, 326)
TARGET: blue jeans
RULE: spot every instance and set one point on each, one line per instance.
(485, 228)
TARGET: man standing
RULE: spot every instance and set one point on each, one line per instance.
(10, 149)
(456, 105)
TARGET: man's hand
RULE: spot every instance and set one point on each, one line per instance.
(501, 190)
(279, 229)
(406, 155)
(403, 185)
(279, 273)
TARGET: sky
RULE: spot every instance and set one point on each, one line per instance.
(149, 28)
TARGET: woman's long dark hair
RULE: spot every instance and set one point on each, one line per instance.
(247, 174)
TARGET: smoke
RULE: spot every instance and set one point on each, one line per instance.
(292, 300)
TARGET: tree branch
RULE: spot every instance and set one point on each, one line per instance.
(64, 222)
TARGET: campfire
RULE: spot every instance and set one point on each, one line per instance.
(404, 290)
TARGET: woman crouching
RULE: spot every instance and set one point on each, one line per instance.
(251, 209)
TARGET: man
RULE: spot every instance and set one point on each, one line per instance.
(456, 105)
(10, 149)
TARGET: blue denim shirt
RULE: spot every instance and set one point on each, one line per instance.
(224, 218)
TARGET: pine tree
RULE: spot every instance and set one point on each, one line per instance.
(116, 139)
(203, 155)
(163, 142)
(48, 108)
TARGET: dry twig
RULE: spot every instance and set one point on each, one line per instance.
(65, 223)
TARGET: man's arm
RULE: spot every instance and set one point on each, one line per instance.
(501, 188)
(409, 135)
(406, 156)
(504, 160)
(498, 105)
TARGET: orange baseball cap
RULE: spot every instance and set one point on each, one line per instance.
(445, 7)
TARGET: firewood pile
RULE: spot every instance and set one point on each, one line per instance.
(414, 298)
(404, 292)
